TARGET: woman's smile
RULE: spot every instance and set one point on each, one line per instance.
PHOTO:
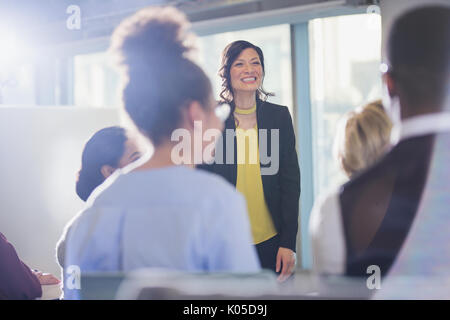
(249, 79)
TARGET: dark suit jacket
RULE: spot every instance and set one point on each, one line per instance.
(379, 206)
(282, 189)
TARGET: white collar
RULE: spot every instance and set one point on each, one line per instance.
(420, 125)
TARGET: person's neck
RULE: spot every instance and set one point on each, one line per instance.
(244, 100)
(161, 157)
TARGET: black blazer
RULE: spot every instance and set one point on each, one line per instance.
(282, 189)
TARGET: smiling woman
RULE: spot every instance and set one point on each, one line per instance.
(272, 198)
(242, 70)
(274, 41)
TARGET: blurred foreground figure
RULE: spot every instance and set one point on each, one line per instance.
(159, 211)
(422, 268)
(17, 280)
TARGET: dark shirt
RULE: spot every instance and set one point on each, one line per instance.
(17, 281)
(379, 206)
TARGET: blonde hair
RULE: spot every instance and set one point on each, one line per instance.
(363, 137)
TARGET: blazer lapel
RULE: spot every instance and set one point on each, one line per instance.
(232, 168)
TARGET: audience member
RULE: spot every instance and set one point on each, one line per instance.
(372, 214)
(363, 137)
(17, 280)
(106, 151)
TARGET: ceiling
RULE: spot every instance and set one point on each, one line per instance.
(44, 22)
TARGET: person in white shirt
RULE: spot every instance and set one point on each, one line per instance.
(362, 138)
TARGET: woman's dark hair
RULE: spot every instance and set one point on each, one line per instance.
(229, 55)
(105, 147)
(160, 78)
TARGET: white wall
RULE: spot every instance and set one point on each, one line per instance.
(40, 157)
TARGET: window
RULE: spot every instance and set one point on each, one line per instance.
(345, 54)
(96, 83)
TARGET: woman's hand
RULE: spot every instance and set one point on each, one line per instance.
(286, 261)
(46, 278)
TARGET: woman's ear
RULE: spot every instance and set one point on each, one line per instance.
(107, 170)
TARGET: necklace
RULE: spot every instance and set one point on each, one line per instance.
(245, 111)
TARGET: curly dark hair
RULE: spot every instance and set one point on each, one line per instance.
(229, 55)
(160, 79)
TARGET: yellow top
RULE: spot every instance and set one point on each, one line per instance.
(249, 183)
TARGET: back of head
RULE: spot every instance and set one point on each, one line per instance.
(363, 138)
(419, 55)
(160, 79)
(105, 147)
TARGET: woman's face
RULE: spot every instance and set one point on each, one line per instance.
(130, 154)
(246, 72)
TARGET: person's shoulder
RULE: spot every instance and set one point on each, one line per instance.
(279, 115)
(384, 167)
(325, 205)
(209, 182)
(77, 220)
(326, 234)
(119, 186)
(102, 191)
(216, 190)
